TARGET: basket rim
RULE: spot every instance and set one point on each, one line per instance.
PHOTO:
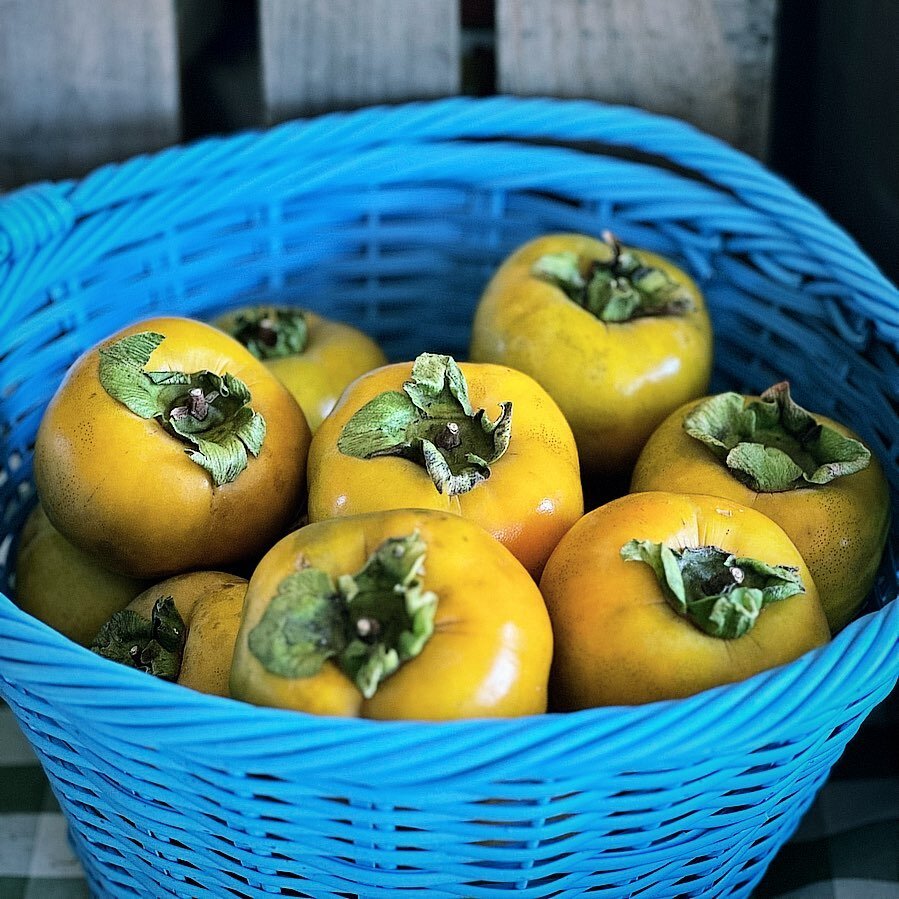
(432, 121)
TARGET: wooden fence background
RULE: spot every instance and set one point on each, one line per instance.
(86, 81)
(809, 87)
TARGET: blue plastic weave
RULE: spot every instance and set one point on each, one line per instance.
(394, 218)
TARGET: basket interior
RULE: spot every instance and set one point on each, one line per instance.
(400, 239)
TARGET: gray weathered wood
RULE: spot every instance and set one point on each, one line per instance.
(83, 82)
(327, 54)
(706, 61)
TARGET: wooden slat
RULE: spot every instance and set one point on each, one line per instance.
(83, 82)
(328, 54)
(706, 61)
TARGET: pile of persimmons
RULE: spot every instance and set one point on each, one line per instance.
(261, 507)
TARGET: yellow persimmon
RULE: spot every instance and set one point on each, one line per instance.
(403, 614)
(422, 435)
(169, 447)
(619, 337)
(64, 586)
(182, 629)
(805, 471)
(661, 595)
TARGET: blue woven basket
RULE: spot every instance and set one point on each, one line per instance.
(394, 219)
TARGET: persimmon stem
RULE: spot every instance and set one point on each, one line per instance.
(267, 331)
(431, 422)
(772, 444)
(196, 405)
(449, 438)
(209, 412)
(272, 333)
(155, 645)
(718, 593)
(370, 623)
(618, 286)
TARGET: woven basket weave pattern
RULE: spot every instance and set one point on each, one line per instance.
(394, 219)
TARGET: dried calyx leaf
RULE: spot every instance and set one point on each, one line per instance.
(772, 444)
(719, 593)
(617, 287)
(155, 646)
(431, 422)
(209, 412)
(271, 333)
(370, 623)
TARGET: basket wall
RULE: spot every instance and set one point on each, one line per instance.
(393, 219)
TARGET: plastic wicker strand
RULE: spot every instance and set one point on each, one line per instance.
(394, 218)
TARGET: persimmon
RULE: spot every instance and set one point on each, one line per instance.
(618, 336)
(661, 595)
(483, 441)
(169, 447)
(400, 614)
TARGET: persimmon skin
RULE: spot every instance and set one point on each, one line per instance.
(65, 587)
(533, 494)
(613, 381)
(124, 490)
(491, 648)
(617, 639)
(840, 528)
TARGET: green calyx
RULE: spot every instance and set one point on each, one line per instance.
(370, 623)
(155, 646)
(616, 288)
(772, 444)
(209, 412)
(431, 422)
(271, 333)
(720, 594)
